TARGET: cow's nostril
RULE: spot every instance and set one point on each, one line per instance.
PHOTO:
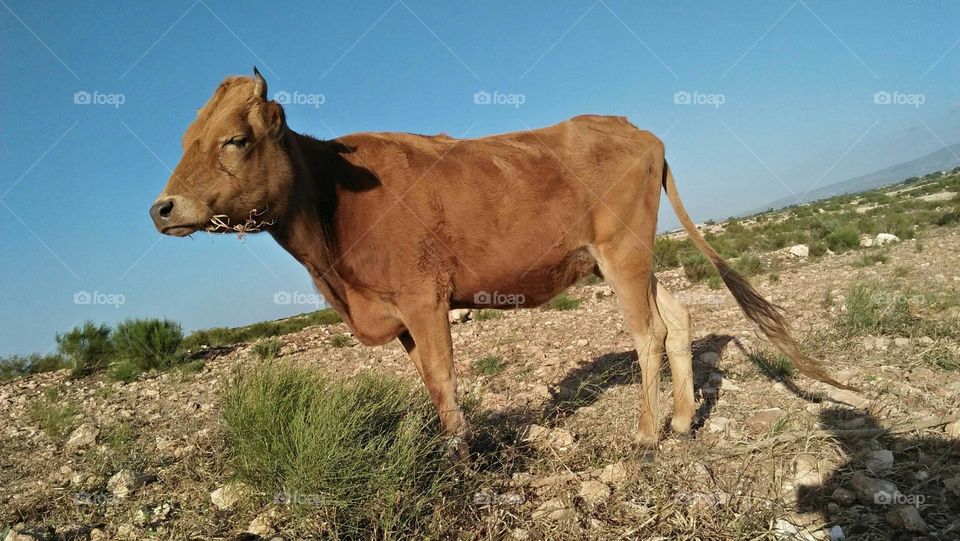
(166, 208)
(161, 210)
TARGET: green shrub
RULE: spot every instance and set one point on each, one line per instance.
(267, 349)
(667, 252)
(35, 363)
(365, 454)
(874, 308)
(563, 302)
(87, 348)
(714, 281)
(843, 238)
(490, 365)
(224, 336)
(948, 218)
(697, 267)
(340, 340)
(148, 343)
(125, 370)
(817, 248)
(748, 265)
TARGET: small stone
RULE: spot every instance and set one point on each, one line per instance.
(836, 534)
(552, 510)
(560, 438)
(127, 531)
(717, 425)
(953, 429)
(901, 342)
(83, 437)
(594, 492)
(519, 534)
(124, 482)
(264, 524)
(228, 495)
(22, 532)
(807, 471)
(843, 496)
(800, 250)
(460, 315)
(880, 461)
(582, 343)
(97, 534)
(906, 517)
(533, 432)
(162, 512)
(873, 491)
(614, 474)
(764, 420)
(953, 485)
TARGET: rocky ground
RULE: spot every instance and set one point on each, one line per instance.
(553, 418)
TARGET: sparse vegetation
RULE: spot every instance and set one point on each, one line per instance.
(35, 363)
(364, 455)
(774, 365)
(55, 417)
(267, 349)
(489, 365)
(223, 336)
(563, 302)
(487, 314)
(871, 259)
(340, 340)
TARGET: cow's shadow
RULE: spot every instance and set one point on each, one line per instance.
(923, 467)
(585, 385)
(496, 434)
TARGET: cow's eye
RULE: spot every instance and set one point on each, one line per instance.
(238, 141)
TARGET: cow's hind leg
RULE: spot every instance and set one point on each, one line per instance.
(676, 319)
(626, 265)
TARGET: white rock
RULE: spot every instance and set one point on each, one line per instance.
(836, 534)
(264, 525)
(614, 474)
(901, 342)
(885, 238)
(807, 471)
(880, 461)
(460, 315)
(800, 250)
(228, 495)
(83, 437)
(718, 425)
(874, 491)
(594, 491)
(554, 510)
(953, 429)
(866, 241)
(124, 482)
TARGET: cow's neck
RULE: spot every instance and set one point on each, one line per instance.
(306, 230)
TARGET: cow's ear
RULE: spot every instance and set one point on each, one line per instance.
(273, 118)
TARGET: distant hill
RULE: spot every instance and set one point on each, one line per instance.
(944, 159)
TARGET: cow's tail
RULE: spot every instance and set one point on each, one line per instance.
(765, 314)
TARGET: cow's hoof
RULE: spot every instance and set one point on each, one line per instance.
(458, 449)
(681, 428)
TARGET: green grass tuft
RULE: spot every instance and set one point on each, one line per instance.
(774, 365)
(563, 302)
(363, 457)
(57, 418)
(490, 365)
(267, 349)
(487, 314)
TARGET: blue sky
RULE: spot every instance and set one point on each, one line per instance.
(781, 92)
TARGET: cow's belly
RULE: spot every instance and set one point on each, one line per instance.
(525, 282)
(372, 321)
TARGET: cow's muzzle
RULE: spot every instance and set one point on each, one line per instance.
(173, 215)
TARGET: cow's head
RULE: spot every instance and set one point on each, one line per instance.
(235, 169)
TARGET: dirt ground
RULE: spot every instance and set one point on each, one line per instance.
(552, 428)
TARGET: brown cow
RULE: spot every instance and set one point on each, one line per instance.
(397, 228)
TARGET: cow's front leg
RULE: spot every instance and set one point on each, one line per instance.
(431, 349)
